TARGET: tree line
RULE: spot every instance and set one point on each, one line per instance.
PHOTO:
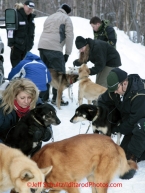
(126, 15)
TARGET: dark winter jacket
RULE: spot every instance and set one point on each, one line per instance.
(101, 54)
(33, 68)
(132, 108)
(23, 37)
(7, 121)
(106, 33)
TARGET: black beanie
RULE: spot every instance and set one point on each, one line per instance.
(66, 7)
(80, 42)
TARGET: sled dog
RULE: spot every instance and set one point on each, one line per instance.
(95, 157)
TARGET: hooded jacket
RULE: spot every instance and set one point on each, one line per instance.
(57, 32)
(132, 107)
(33, 68)
(23, 37)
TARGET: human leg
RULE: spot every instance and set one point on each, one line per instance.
(16, 56)
(44, 95)
(101, 78)
(136, 145)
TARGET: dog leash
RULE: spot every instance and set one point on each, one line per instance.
(71, 92)
(87, 129)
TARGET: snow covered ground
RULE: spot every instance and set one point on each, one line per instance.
(133, 61)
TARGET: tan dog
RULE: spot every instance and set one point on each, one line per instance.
(19, 172)
(88, 89)
(95, 157)
(61, 82)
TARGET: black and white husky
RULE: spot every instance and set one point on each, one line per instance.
(103, 120)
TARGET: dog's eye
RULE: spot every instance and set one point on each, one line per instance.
(50, 113)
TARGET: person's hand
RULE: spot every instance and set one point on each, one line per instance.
(76, 63)
(66, 57)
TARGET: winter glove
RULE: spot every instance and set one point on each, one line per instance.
(76, 63)
(66, 57)
(115, 130)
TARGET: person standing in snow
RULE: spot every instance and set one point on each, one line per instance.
(57, 33)
(33, 68)
(103, 31)
(127, 94)
(22, 40)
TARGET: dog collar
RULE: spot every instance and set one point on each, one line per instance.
(36, 120)
(83, 77)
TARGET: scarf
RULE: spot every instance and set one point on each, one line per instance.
(19, 110)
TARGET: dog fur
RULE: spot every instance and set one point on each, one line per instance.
(17, 171)
(61, 82)
(19, 137)
(87, 88)
(103, 120)
(72, 70)
(95, 157)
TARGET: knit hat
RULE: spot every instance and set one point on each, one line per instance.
(30, 4)
(66, 7)
(80, 42)
(115, 77)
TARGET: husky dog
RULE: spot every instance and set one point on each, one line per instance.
(88, 89)
(32, 129)
(95, 157)
(61, 82)
(103, 120)
(19, 173)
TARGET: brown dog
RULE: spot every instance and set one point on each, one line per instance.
(87, 88)
(61, 82)
(19, 172)
(95, 157)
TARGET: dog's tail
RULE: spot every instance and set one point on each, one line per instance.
(127, 167)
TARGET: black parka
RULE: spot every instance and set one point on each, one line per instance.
(106, 33)
(23, 37)
(132, 108)
(102, 54)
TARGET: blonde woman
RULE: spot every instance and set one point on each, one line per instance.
(17, 100)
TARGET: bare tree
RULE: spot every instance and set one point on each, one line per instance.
(75, 7)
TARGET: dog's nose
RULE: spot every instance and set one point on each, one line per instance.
(33, 190)
(58, 121)
(71, 120)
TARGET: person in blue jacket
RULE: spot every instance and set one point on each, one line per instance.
(33, 68)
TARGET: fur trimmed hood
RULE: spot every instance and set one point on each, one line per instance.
(19, 5)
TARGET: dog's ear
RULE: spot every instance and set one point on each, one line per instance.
(26, 175)
(92, 110)
(46, 171)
